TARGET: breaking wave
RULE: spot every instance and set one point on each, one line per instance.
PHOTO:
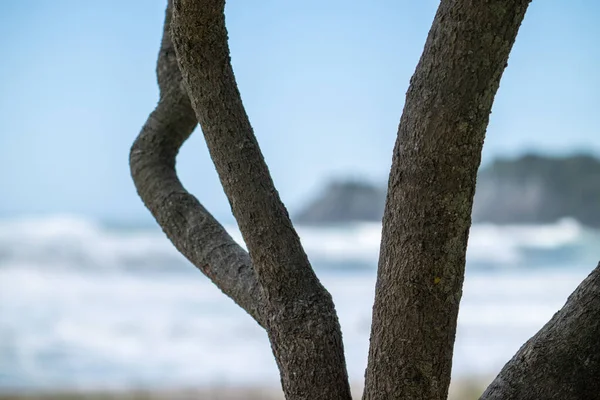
(66, 242)
(83, 308)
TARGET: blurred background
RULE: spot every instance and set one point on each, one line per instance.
(93, 297)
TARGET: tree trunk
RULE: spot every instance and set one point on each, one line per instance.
(430, 194)
(425, 227)
(191, 228)
(562, 361)
(302, 324)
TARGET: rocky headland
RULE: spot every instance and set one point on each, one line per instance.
(530, 189)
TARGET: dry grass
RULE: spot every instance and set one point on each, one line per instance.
(216, 393)
(466, 389)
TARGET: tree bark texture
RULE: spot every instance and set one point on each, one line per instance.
(191, 228)
(301, 321)
(430, 194)
(425, 227)
(562, 361)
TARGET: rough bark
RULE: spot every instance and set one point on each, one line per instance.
(302, 323)
(191, 228)
(430, 194)
(562, 361)
(425, 227)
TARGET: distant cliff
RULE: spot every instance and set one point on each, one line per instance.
(345, 201)
(529, 189)
(536, 189)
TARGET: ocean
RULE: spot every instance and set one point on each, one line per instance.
(86, 305)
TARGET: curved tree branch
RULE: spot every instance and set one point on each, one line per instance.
(562, 361)
(302, 323)
(430, 194)
(191, 228)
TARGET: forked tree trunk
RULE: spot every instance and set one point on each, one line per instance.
(301, 321)
(191, 228)
(425, 228)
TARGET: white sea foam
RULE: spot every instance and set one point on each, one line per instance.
(69, 242)
(85, 306)
(60, 328)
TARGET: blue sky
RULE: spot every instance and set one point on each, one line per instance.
(323, 83)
